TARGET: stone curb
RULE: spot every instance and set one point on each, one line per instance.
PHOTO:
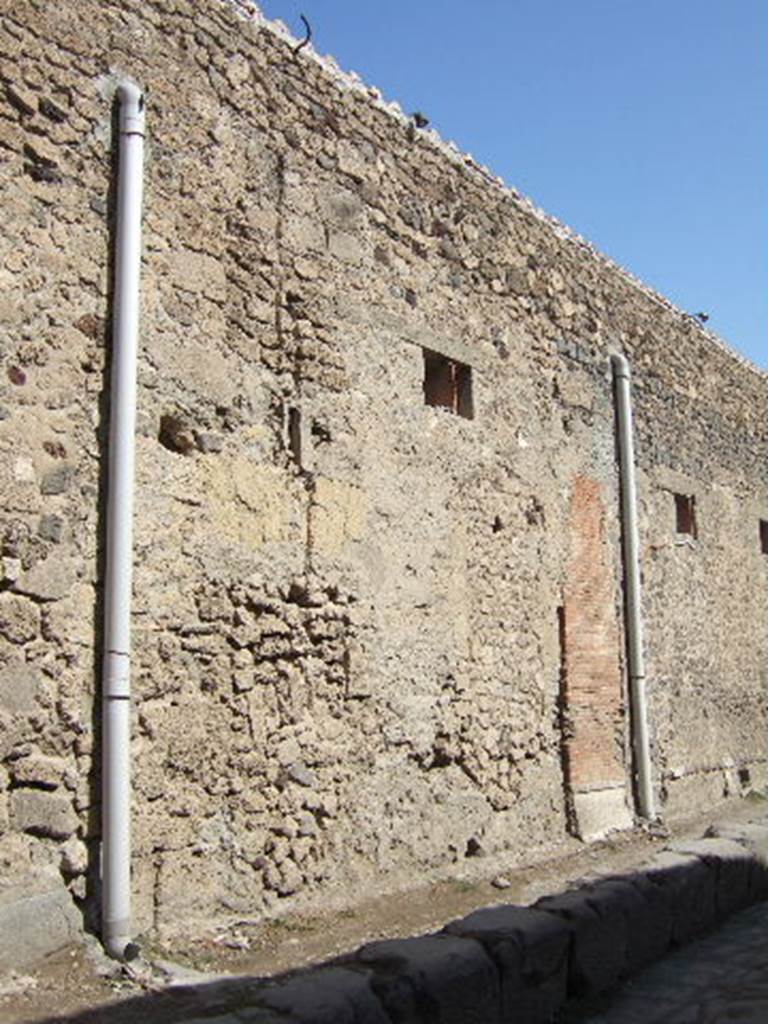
(501, 964)
(522, 964)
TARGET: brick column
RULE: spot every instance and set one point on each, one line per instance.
(592, 682)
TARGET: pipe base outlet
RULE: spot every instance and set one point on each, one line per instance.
(118, 944)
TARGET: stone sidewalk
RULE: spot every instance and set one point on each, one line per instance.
(561, 958)
(720, 978)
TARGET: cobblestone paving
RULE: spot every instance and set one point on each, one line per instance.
(721, 978)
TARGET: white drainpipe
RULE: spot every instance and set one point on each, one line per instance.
(639, 718)
(116, 723)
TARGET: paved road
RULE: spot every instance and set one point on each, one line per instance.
(719, 979)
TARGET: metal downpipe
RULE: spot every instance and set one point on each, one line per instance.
(636, 661)
(116, 677)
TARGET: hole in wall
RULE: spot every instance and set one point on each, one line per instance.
(320, 432)
(685, 515)
(534, 512)
(294, 434)
(764, 537)
(175, 435)
(448, 384)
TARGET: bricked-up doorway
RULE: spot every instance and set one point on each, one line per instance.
(592, 690)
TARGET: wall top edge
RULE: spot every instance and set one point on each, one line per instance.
(249, 11)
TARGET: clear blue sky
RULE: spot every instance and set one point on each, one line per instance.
(642, 125)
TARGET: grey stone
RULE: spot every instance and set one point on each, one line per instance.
(74, 856)
(19, 619)
(345, 245)
(209, 442)
(335, 995)
(4, 811)
(434, 979)
(647, 925)
(10, 569)
(688, 886)
(43, 813)
(732, 865)
(51, 110)
(51, 528)
(234, 1018)
(599, 944)
(307, 824)
(344, 209)
(530, 950)
(57, 481)
(517, 282)
(176, 974)
(301, 774)
(243, 680)
(448, 249)
(49, 580)
(38, 770)
(256, 1015)
(36, 919)
(24, 99)
(651, 941)
(753, 836)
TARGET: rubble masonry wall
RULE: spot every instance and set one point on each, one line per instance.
(372, 638)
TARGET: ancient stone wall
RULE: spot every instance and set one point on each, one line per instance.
(359, 647)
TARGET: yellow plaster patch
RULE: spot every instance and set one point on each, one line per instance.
(247, 503)
(338, 515)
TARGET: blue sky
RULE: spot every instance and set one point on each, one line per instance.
(643, 126)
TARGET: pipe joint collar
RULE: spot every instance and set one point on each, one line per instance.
(620, 365)
(131, 108)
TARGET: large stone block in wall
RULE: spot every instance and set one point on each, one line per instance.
(36, 919)
(19, 687)
(49, 580)
(42, 813)
(19, 619)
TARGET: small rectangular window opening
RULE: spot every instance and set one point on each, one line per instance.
(448, 384)
(294, 434)
(764, 537)
(685, 514)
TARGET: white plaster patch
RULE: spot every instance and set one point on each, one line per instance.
(600, 812)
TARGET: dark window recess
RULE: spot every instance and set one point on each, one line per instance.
(685, 514)
(294, 434)
(448, 384)
(764, 536)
